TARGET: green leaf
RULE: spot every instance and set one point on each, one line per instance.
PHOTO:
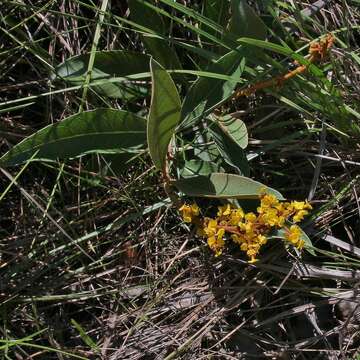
(164, 114)
(198, 167)
(230, 149)
(107, 65)
(272, 47)
(206, 93)
(245, 22)
(205, 149)
(235, 129)
(147, 16)
(224, 186)
(89, 131)
(280, 234)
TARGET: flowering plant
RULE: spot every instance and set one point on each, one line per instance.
(223, 173)
(249, 230)
(196, 143)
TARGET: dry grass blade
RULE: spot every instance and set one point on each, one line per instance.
(94, 260)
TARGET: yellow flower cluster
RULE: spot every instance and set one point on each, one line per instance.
(249, 230)
(189, 212)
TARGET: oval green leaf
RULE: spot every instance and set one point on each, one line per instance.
(199, 167)
(107, 65)
(231, 137)
(230, 150)
(90, 131)
(164, 114)
(205, 149)
(235, 129)
(224, 186)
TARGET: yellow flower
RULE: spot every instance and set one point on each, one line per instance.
(216, 243)
(293, 235)
(301, 205)
(269, 200)
(300, 208)
(244, 246)
(300, 244)
(213, 245)
(195, 209)
(300, 215)
(284, 209)
(211, 228)
(250, 216)
(237, 239)
(281, 221)
(248, 230)
(307, 206)
(270, 217)
(224, 210)
(220, 233)
(251, 252)
(262, 239)
(188, 212)
(236, 216)
(288, 207)
(248, 227)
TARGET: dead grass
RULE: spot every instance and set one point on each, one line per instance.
(105, 249)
